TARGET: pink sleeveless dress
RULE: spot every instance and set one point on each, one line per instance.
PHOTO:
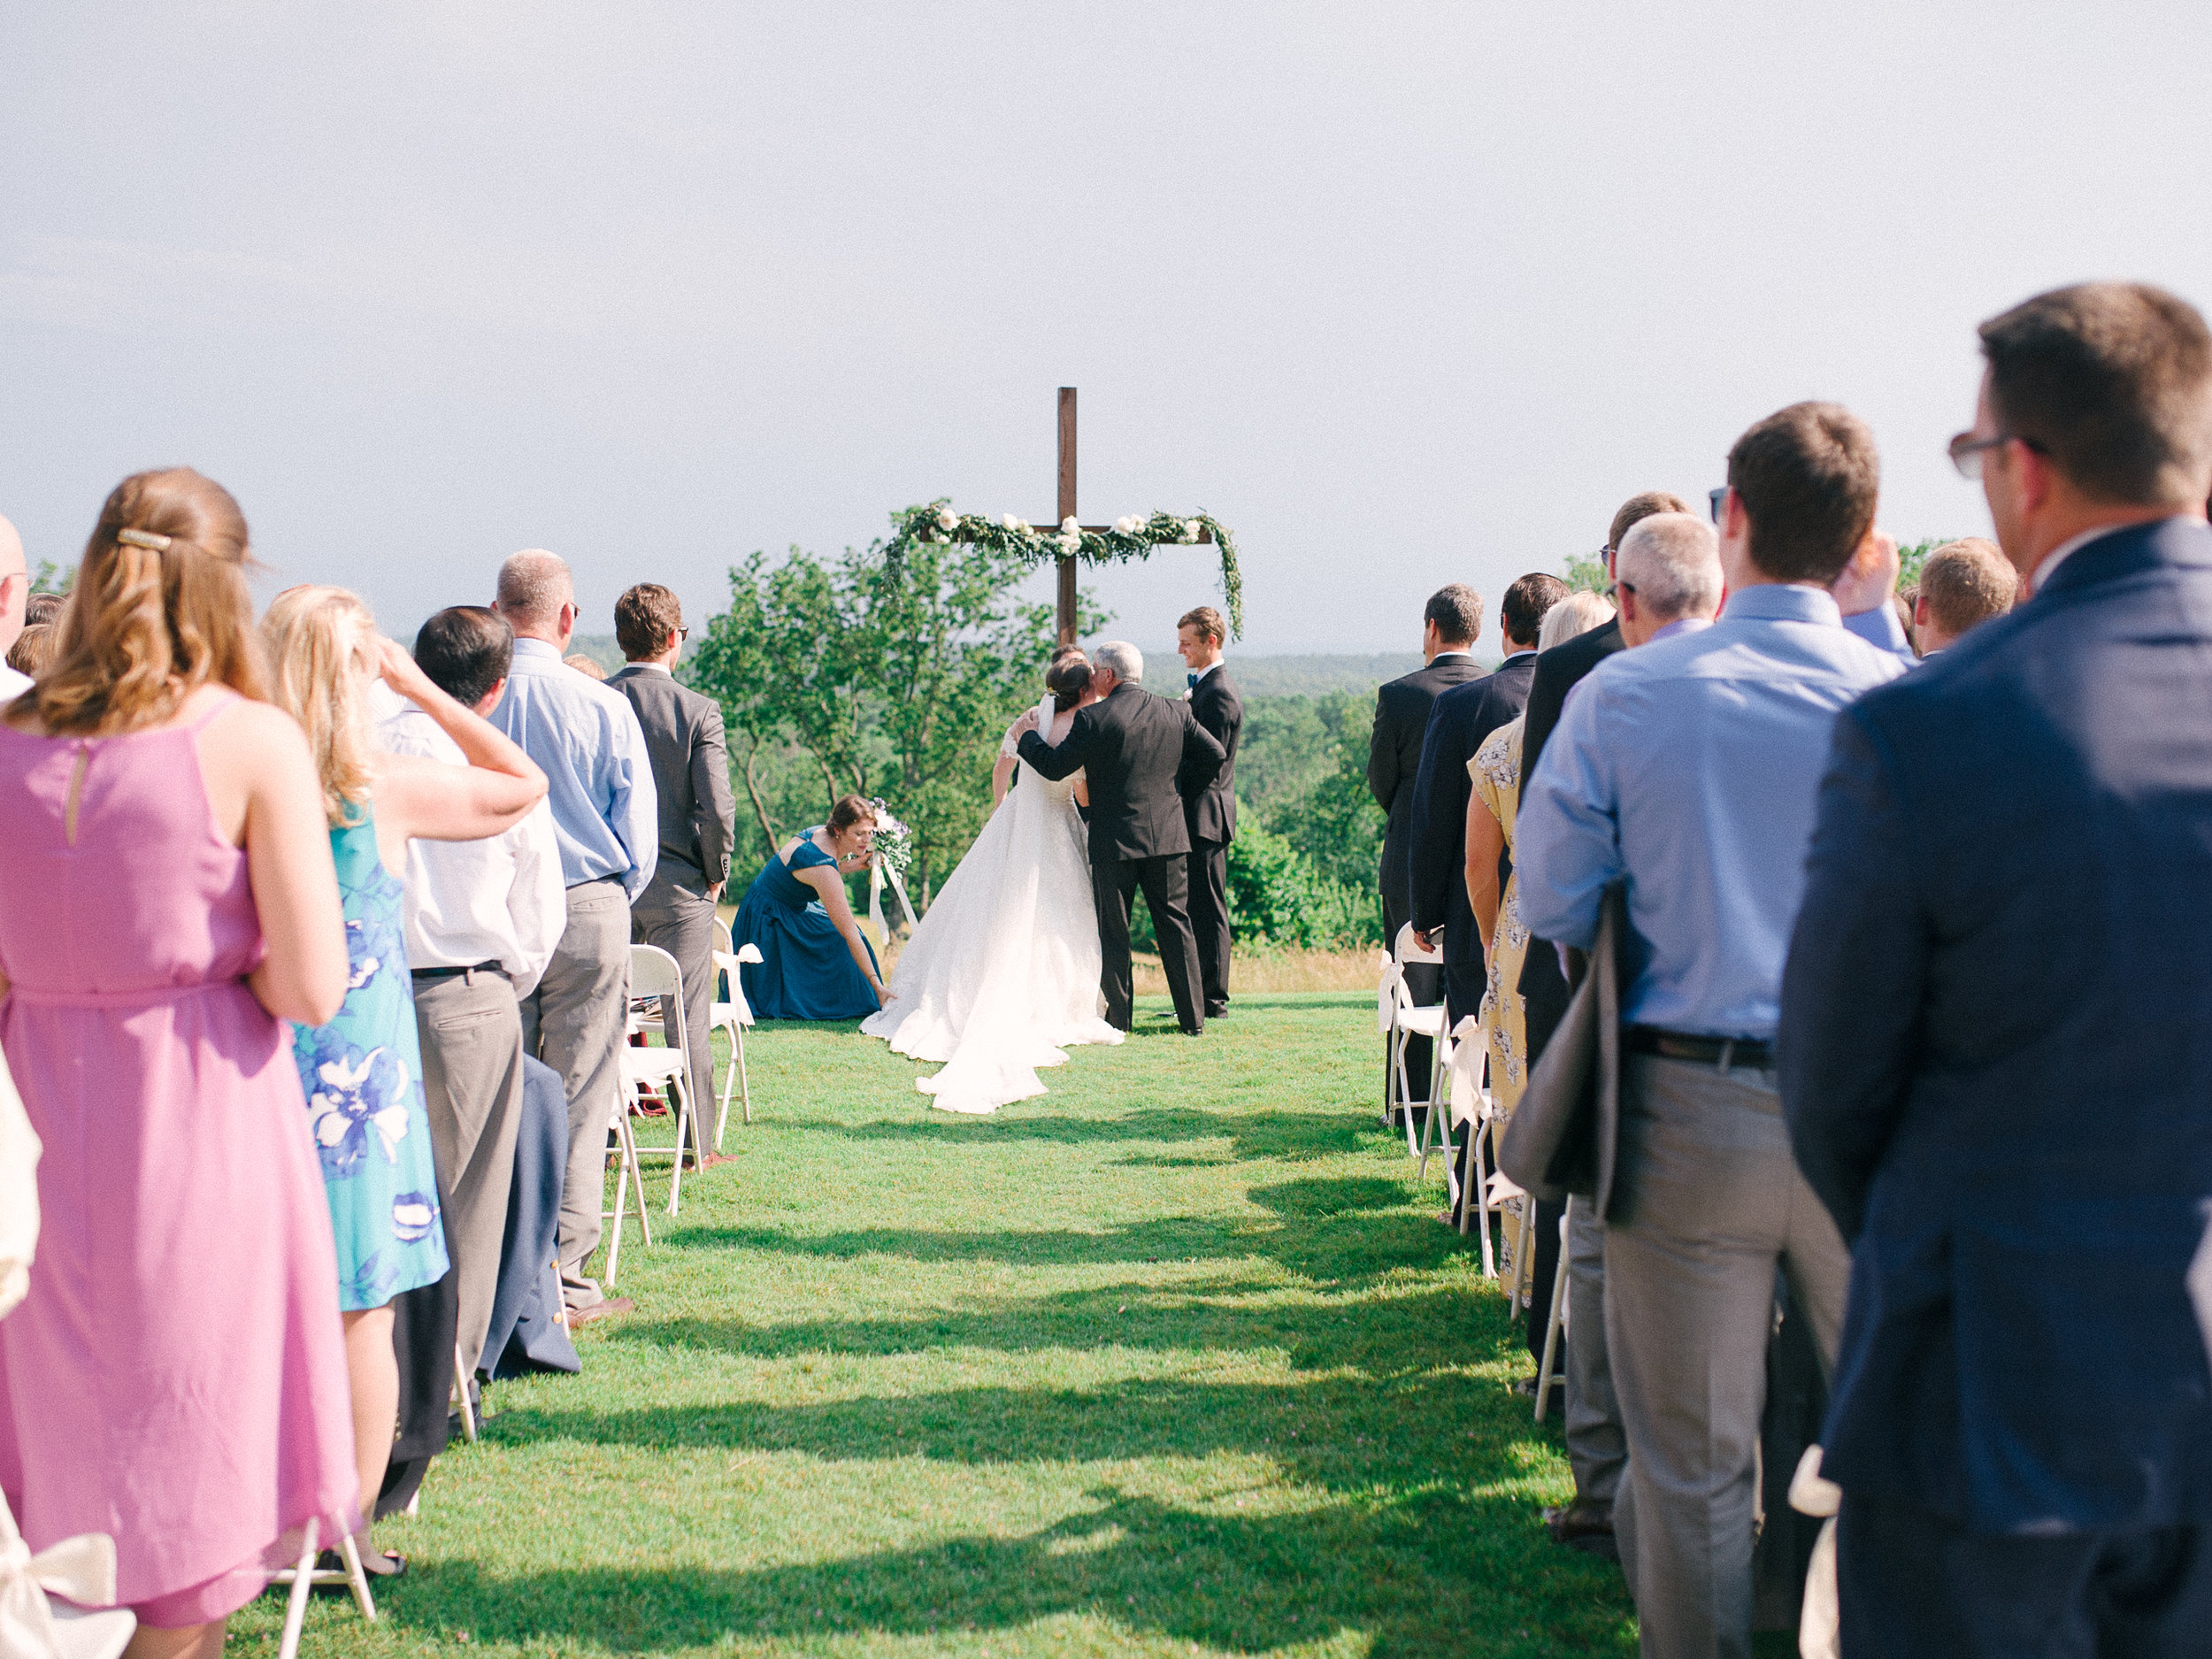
(176, 1376)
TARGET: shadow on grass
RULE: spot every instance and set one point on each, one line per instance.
(1280, 1135)
(1453, 1583)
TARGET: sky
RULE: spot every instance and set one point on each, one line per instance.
(1403, 293)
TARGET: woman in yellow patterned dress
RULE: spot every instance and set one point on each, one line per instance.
(1496, 801)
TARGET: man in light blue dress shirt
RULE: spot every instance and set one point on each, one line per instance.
(1687, 771)
(606, 817)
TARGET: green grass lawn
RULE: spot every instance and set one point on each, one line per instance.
(1173, 1360)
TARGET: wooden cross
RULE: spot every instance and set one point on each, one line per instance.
(1067, 512)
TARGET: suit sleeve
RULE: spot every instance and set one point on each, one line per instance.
(1439, 819)
(1066, 760)
(1545, 691)
(713, 807)
(1851, 989)
(1567, 837)
(634, 809)
(1382, 754)
(1203, 756)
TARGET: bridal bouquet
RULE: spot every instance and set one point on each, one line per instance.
(893, 841)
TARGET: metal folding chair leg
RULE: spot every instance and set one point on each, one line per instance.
(295, 1603)
(460, 1396)
(1544, 1373)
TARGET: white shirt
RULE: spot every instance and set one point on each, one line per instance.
(498, 900)
(12, 684)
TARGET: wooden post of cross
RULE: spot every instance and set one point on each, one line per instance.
(1067, 512)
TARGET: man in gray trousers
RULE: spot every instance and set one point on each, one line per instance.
(607, 820)
(483, 917)
(691, 776)
(1686, 772)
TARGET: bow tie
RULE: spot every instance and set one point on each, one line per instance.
(1194, 679)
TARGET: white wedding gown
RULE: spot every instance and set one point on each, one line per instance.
(1001, 975)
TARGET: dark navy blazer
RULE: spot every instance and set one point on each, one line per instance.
(1459, 720)
(1996, 1055)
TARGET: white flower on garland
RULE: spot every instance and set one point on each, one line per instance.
(1126, 526)
(1191, 528)
(1014, 524)
(947, 519)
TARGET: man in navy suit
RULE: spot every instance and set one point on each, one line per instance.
(1459, 720)
(1996, 1034)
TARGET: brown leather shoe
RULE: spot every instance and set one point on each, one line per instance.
(1583, 1526)
(605, 1309)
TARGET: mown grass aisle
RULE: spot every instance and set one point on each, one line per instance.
(1170, 1361)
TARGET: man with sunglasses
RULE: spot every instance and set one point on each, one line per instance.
(1996, 1037)
(690, 758)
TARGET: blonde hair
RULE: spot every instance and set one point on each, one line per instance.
(318, 640)
(154, 616)
(1577, 613)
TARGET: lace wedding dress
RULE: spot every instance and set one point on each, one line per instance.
(1001, 975)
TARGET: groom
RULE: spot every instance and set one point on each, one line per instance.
(1132, 746)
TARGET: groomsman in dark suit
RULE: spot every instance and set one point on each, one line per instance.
(1450, 622)
(1996, 1039)
(1210, 807)
(691, 772)
(1136, 751)
(1461, 717)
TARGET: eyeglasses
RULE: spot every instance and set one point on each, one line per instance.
(1967, 451)
(1719, 500)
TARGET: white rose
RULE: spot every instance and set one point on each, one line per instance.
(1012, 523)
(1191, 529)
(1126, 526)
(947, 519)
(1068, 527)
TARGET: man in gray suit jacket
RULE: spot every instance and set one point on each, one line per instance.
(691, 770)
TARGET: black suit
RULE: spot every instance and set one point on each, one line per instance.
(1394, 760)
(1211, 810)
(1459, 721)
(1543, 988)
(1996, 1063)
(691, 773)
(1133, 747)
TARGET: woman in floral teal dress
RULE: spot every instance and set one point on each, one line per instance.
(362, 1072)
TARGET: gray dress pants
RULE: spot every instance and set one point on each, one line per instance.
(471, 1029)
(681, 923)
(1596, 1448)
(573, 1022)
(1709, 1201)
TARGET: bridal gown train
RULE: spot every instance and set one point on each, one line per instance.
(1001, 975)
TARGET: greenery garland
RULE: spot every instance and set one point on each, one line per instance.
(1131, 538)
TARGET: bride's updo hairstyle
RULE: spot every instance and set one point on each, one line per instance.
(1067, 679)
(159, 608)
(849, 812)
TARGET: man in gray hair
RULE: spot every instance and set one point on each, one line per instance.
(606, 816)
(1133, 747)
(1667, 575)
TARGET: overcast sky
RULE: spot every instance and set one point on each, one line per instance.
(1403, 293)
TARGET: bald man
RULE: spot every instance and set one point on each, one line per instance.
(15, 593)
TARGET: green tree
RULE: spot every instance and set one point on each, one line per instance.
(1584, 573)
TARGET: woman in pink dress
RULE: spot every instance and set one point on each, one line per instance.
(175, 1376)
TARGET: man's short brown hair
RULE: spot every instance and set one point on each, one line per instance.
(1457, 610)
(1638, 507)
(1207, 620)
(2113, 381)
(1808, 478)
(1525, 604)
(1966, 582)
(645, 620)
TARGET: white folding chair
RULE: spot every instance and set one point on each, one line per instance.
(1544, 1377)
(1408, 1019)
(307, 1574)
(654, 976)
(732, 1015)
(626, 1179)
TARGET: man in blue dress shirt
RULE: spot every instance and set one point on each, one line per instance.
(1686, 771)
(1997, 1026)
(606, 817)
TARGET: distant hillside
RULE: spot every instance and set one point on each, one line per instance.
(1306, 676)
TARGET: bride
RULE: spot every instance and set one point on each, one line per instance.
(1002, 972)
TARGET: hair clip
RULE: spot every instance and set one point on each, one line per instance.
(143, 538)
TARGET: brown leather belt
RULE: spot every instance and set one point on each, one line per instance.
(1721, 1051)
